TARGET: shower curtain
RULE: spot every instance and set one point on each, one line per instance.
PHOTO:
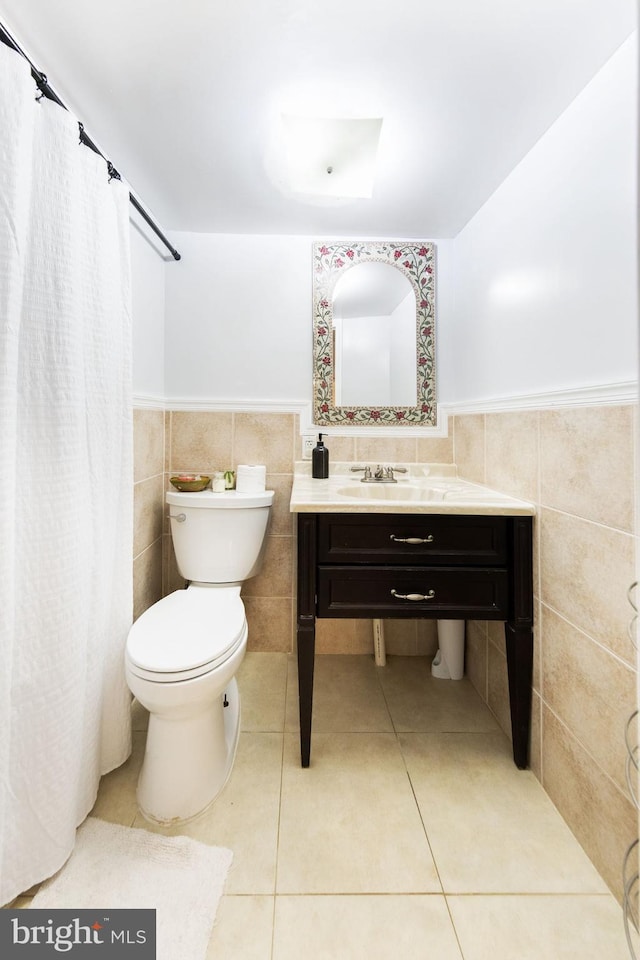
(65, 478)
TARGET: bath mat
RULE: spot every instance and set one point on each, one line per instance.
(120, 867)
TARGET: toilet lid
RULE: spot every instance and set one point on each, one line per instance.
(187, 633)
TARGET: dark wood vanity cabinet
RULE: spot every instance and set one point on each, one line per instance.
(440, 566)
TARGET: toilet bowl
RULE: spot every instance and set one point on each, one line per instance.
(182, 655)
(190, 691)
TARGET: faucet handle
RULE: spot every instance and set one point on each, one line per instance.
(365, 470)
(390, 471)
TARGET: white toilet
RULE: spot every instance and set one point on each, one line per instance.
(182, 654)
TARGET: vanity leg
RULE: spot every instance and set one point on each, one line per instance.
(520, 669)
(306, 659)
(306, 634)
(519, 636)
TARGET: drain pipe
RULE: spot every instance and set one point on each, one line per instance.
(379, 650)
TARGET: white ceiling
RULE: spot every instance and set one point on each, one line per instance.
(184, 97)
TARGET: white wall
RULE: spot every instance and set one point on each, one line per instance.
(148, 307)
(239, 318)
(545, 285)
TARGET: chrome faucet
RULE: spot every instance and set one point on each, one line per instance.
(380, 474)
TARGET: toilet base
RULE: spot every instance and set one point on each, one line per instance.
(188, 760)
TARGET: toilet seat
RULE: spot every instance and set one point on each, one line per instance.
(187, 634)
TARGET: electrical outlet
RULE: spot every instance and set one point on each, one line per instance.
(308, 443)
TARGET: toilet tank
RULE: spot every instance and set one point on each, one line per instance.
(219, 537)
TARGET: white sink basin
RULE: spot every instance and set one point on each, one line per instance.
(419, 488)
(407, 492)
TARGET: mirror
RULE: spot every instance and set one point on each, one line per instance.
(374, 311)
(374, 334)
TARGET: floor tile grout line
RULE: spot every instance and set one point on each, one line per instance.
(424, 826)
(408, 775)
(555, 894)
(462, 894)
(289, 894)
(384, 697)
(282, 757)
(453, 926)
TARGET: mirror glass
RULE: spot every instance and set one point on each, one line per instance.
(374, 333)
(374, 322)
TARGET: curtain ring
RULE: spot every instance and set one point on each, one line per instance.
(41, 83)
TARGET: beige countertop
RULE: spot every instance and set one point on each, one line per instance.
(424, 488)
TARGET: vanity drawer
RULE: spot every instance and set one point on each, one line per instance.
(378, 591)
(399, 538)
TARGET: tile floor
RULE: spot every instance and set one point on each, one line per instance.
(412, 834)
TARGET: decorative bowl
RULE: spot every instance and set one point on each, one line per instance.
(190, 483)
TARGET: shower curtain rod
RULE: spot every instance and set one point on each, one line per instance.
(43, 85)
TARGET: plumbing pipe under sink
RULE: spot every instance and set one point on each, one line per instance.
(448, 663)
(379, 649)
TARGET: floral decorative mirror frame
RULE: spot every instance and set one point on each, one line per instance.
(416, 260)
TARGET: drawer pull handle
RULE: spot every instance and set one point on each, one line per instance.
(428, 539)
(414, 596)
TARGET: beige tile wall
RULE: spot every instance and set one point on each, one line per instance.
(577, 465)
(206, 442)
(148, 493)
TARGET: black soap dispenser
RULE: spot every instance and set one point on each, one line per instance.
(320, 460)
